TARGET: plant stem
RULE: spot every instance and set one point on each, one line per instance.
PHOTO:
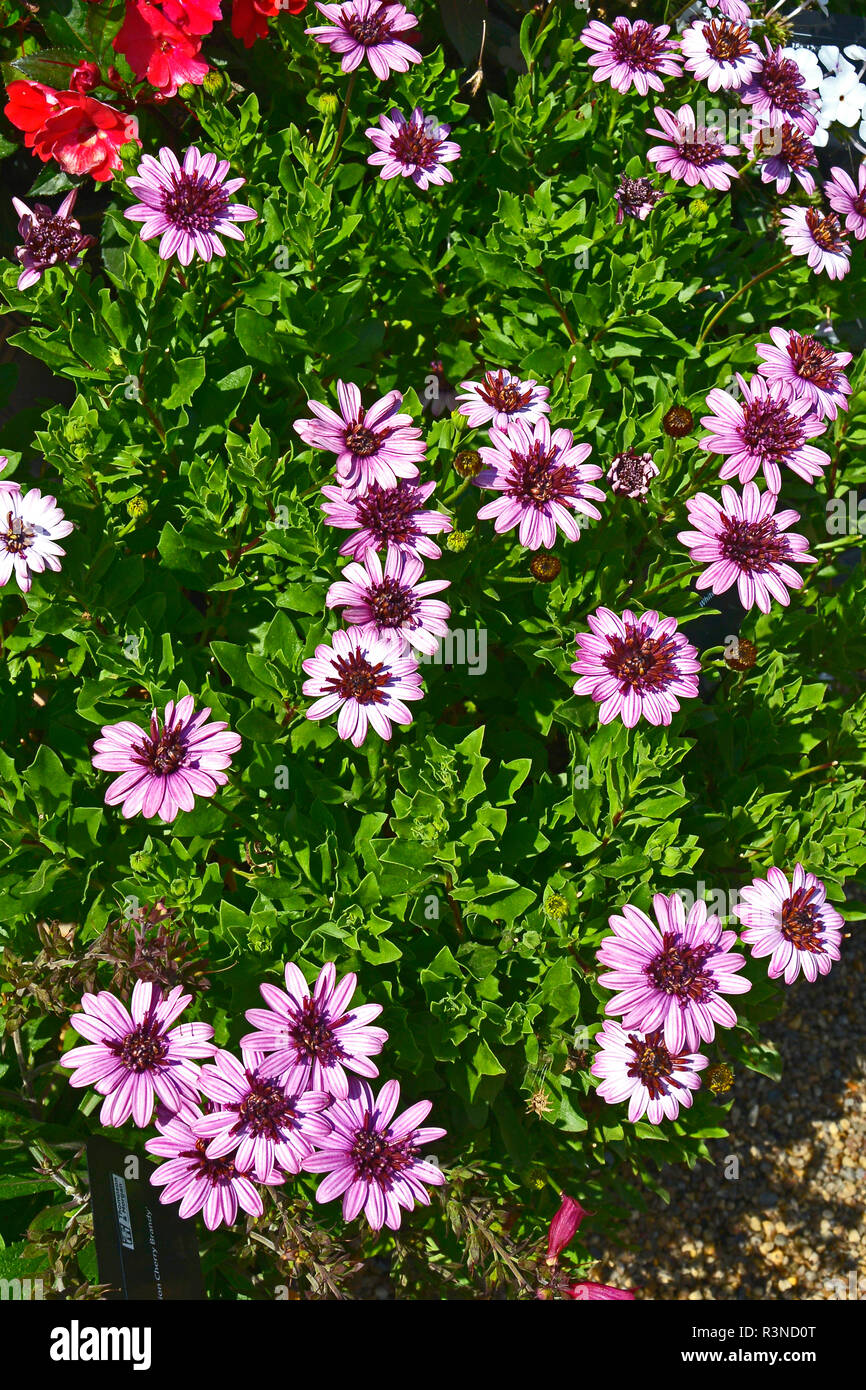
(342, 127)
(742, 290)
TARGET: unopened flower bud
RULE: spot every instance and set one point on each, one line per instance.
(329, 103)
(137, 508)
(563, 1227)
(720, 1078)
(457, 541)
(556, 907)
(216, 83)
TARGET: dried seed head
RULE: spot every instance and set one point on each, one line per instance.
(468, 463)
(742, 655)
(720, 1078)
(678, 422)
(545, 567)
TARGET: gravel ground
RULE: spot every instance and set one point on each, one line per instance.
(792, 1225)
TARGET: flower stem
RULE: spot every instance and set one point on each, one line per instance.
(342, 127)
(742, 290)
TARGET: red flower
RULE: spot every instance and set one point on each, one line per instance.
(587, 1290)
(84, 77)
(250, 17)
(157, 50)
(83, 135)
(29, 106)
(563, 1227)
(193, 16)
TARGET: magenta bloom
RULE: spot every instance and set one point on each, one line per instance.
(48, 238)
(819, 238)
(720, 53)
(135, 1056)
(806, 369)
(386, 516)
(218, 1186)
(636, 198)
(731, 9)
(164, 769)
(312, 1037)
(785, 152)
(564, 1227)
(372, 1159)
(846, 197)
(368, 29)
(500, 399)
(792, 923)
(763, 429)
(586, 1291)
(627, 54)
(543, 481)
(367, 678)
(262, 1122)
(743, 540)
(417, 148)
(188, 206)
(30, 527)
(694, 154)
(778, 91)
(391, 600)
(655, 1078)
(372, 446)
(635, 667)
(671, 976)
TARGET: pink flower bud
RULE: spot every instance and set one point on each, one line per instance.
(563, 1227)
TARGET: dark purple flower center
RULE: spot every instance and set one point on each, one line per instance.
(635, 194)
(787, 143)
(358, 679)
(165, 752)
(502, 395)
(703, 149)
(312, 1033)
(825, 230)
(653, 1064)
(679, 970)
(376, 1158)
(142, 1050)
(265, 1110)
(770, 430)
(49, 238)
(813, 362)
(644, 663)
(363, 442)
(726, 41)
(392, 604)
(783, 83)
(641, 48)
(414, 145)
(859, 203)
(193, 203)
(389, 513)
(631, 473)
(218, 1171)
(536, 479)
(801, 921)
(753, 545)
(372, 30)
(18, 536)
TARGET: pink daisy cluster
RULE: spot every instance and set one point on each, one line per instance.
(296, 1099)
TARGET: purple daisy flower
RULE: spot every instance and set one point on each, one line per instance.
(417, 148)
(368, 29)
(778, 91)
(631, 474)
(844, 196)
(10, 485)
(742, 540)
(693, 154)
(541, 475)
(635, 667)
(216, 1186)
(260, 1120)
(792, 923)
(806, 369)
(372, 446)
(188, 206)
(782, 152)
(501, 398)
(368, 678)
(30, 527)
(164, 769)
(135, 1057)
(720, 53)
(731, 9)
(312, 1037)
(627, 54)
(763, 429)
(371, 1157)
(386, 516)
(391, 600)
(817, 236)
(587, 1292)
(671, 974)
(639, 1067)
(636, 198)
(48, 238)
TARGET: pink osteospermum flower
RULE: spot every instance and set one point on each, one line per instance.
(386, 516)
(636, 198)
(635, 667)
(744, 540)
(48, 238)
(257, 1117)
(671, 974)
(806, 369)
(188, 206)
(544, 483)
(783, 152)
(694, 154)
(214, 1186)
(778, 91)
(630, 54)
(792, 923)
(311, 1037)
(372, 1157)
(30, 527)
(367, 678)
(501, 398)
(720, 53)
(372, 446)
(166, 767)
(817, 236)
(391, 599)
(731, 9)
(9, 485)
(640, 1067)
(417, 148)
(586, 1291)
(368, 29)
(763, 429)
(849, 198)
(134, 1056)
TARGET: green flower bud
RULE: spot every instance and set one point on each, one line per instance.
(457, 541)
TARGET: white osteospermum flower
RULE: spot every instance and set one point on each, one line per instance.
(843, 97)
(30, 526)
(808, 64)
